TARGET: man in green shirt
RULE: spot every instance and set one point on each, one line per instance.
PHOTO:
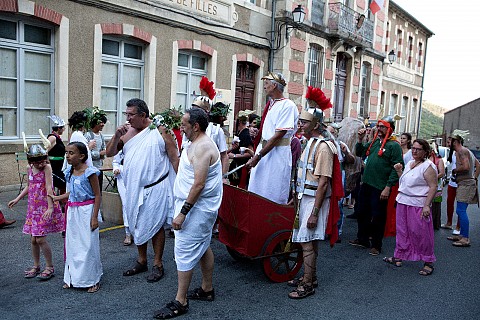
(378, 179)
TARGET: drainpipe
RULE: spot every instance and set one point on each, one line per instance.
(421, 93)
(271, 55)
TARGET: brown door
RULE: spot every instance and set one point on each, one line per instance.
(340, 83)
(245, 87)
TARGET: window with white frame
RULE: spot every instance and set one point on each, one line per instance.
(403, 113)
(191, 67)
(26, 77)
(365, 89)
(123, 66)
(315, 66)
(413, 116)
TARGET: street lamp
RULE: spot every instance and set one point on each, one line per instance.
(291, 21)
(298, 14)
(392, 57)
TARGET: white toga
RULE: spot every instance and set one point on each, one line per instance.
(146, 162)
(193, 239)
(270, 178)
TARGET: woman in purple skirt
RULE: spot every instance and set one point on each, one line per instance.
(418, 184)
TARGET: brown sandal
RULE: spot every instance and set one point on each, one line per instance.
(94, 288)
(302, 291)
(427, 269)
(295, 282)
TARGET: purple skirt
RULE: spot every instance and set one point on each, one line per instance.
(414, 235)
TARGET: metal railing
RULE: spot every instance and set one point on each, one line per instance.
(343, 21)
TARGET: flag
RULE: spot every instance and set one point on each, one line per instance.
(376, 5)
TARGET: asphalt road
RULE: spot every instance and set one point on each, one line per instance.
(352, 284)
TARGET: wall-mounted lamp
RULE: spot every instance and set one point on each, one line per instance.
(293, 22)
(392, 57)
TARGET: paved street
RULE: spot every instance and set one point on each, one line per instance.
(352, 284)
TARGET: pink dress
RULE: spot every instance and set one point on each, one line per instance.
(37, 205)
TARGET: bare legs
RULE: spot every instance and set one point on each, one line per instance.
(40, 243)
(158, 243)
(185, 277)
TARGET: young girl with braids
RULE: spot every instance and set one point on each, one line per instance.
(43, 216)
(83, 268)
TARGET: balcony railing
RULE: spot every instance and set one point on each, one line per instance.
(343, 21)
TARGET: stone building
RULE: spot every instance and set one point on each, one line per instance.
(464, 117)
(59, 56)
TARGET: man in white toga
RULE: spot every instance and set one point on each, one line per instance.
(150, 163)
(272, 163)
(198, 193)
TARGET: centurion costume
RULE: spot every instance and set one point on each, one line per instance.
(319, 158)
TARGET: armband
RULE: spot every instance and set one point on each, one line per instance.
(186, 208)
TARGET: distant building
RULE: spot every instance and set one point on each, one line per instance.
(59, 56)
(465, 117)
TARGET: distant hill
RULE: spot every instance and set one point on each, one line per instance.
(431, 122)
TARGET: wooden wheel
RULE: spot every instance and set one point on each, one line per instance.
(280, 265)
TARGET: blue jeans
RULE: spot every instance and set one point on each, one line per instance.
(463, 218)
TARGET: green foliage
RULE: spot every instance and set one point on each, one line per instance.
(430, 125)
(172, 118)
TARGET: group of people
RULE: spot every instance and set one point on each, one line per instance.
(182, 187)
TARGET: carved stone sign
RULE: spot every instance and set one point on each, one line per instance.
(219, 10)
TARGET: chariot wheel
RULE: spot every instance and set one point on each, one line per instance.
(279, 264)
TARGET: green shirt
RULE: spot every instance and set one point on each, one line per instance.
(379, 171)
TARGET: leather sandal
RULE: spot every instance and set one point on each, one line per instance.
(94, 288)
(302, 291)
(392, 260)
(200, 294)
(295, 282)
(427, 269)
(137, 268)
(156, 275)
(171, 310)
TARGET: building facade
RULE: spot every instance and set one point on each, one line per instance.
(464, 117)
(59, 56)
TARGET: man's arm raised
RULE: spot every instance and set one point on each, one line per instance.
(112, 146)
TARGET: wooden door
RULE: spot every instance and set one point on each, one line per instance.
(244, 87)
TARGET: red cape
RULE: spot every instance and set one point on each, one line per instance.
(337, 194)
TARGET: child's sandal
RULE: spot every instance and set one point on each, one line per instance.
(32, 272)
(46, 274)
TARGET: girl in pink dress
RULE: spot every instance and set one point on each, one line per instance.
(43, 216)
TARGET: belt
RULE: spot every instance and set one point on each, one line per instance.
(283, 142)
(80, 203)
(56, 158)
(156, 182)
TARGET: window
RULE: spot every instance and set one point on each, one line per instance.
(315, 66)
(393, 105)
(191, 67)
(122, 78)
(403, 113)
(26, 77)
(410, 51)
(318, 9)
(399, 45)
(413, 116)
(365, 90)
